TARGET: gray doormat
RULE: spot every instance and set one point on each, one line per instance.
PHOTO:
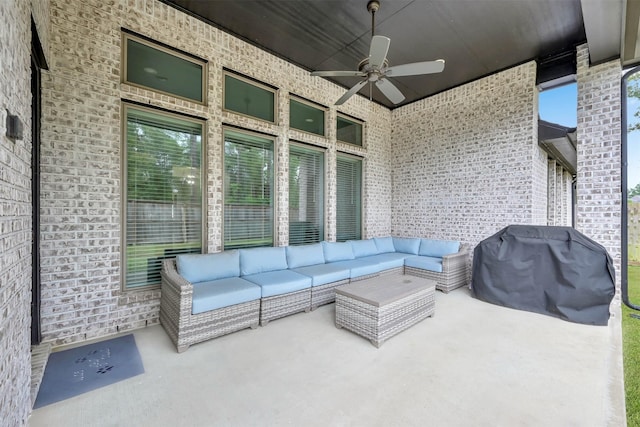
(78, 370)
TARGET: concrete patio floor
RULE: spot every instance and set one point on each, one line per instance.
(473, 364)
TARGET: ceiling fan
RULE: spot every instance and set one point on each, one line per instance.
(375, 68)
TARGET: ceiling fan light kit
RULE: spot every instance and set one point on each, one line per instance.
(375, 68)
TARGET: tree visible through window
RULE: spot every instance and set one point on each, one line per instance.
(306, 195)
(248, 190)
(349, 198)
(163, 192)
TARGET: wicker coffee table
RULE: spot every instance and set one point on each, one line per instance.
(381, 307)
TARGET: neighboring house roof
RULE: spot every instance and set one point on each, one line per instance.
(560, 143)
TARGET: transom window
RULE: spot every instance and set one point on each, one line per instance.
(306, 194)
(163, 191)
(306, 116)
(349, 198)
(349, 130)
(248, 190)
(244, 96)
(163, 69)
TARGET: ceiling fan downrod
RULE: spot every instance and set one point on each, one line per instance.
(373, 6)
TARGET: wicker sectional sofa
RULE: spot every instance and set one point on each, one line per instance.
(208, 295)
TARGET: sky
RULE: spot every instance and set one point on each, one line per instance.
(560, 105)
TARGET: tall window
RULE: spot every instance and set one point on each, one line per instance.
(248, 190)
(306, 195)
(162, 191)
(349, 130)
(349, 198)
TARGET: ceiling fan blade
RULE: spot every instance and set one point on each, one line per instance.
(338, 73)
(350, 92)
(427, 67)
(378, 50)
(390, 91)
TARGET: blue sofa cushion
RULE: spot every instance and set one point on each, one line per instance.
(302, 256)
(406, 245)
(425, 263)
(279, 282)
(214, 294)
(337, 251)
(363, 248)
(389, 260)
(384, 244)
(261, 260)
(438, 248)
(321, 274)
(204, 267)
(360, 267)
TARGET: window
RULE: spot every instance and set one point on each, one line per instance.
(349, 131)
(306, 195)
(249, 98)
(163, 69)
(248, 190)
(162, 191)
(349, 198)
(304, 116)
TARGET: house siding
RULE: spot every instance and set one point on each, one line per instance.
(467, 163)
(81, 172)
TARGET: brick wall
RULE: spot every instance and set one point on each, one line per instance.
(466, 162)
(81, 151)
(15, 210)
(559, 205)
(599, 169)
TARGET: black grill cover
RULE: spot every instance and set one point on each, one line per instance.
(556, 271)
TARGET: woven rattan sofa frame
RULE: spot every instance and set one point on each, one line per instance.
(455, 271)
(185, 328)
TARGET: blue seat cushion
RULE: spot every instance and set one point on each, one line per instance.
(438, 248)
(321, 274)
(424, 262)
(214, 294)
(389, 260)
(406, 245)
(360, 267)
(362, 248)
(261, 260)
(384, 244)
(279, 282)
(337, 251)
(204, 267)
(304, 255)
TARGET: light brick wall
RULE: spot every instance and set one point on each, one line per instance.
(82, 147)
(466, 162)
(599, 196)
(15, 209)
(559, 207)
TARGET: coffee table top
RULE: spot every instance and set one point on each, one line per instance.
(382, 290)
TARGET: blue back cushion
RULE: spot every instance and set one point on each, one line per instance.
(261, 260)
(384, 244)
(202, 267)
(438, 248)
(337, 251)
(302, 256)
(362, 248)
(406, 245)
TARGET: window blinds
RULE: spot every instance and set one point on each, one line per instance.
(306, 195)
(163, 192)
(248, 190)
(349, 198)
